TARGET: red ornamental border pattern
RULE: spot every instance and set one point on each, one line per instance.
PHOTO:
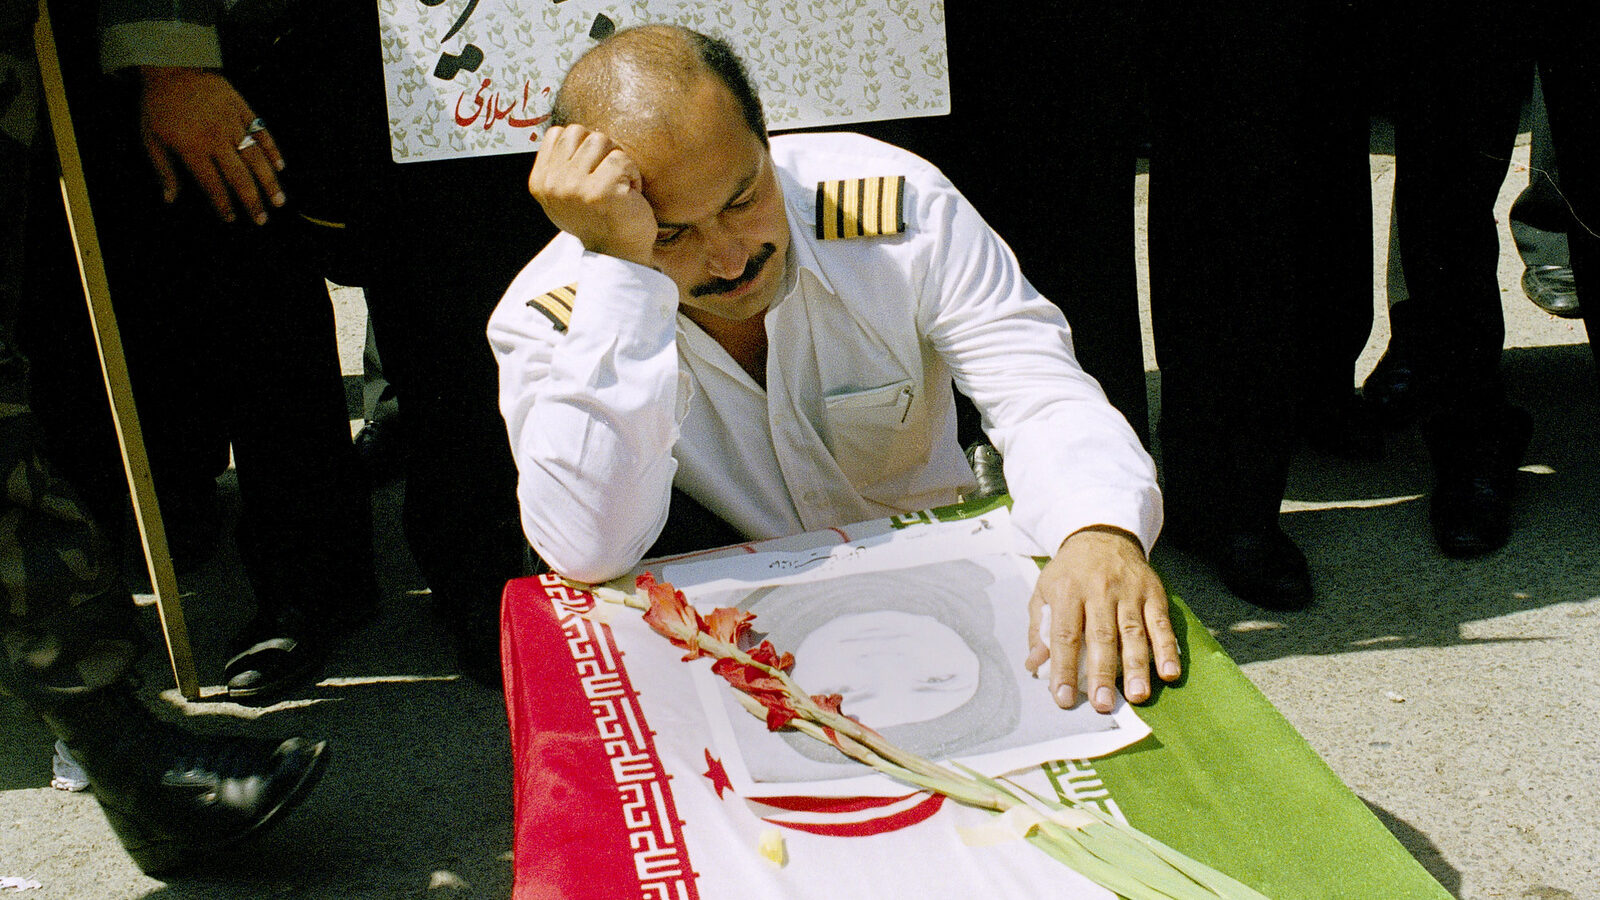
(644, 794)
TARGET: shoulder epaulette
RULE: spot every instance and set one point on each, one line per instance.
(861, 207)
(557, 305)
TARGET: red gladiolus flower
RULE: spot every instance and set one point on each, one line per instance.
(779, 712)
(766, 653)
(745, 678)
(831, 703)
(755, 682)
(671, 616)
(729, 625)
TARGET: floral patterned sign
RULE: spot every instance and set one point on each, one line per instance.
(476, 77)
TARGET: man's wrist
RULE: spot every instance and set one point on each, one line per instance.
(1108, 531)
(626, 254)
(164, 76)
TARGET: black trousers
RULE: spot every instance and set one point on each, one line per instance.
(1567, 46)
(434, 245)
(1456, 114)
(229, 335)
(1047, 112)
(67, 624)
(1260, 243)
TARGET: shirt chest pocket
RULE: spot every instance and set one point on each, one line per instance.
(878, 433)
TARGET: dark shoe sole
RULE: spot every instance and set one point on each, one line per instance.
(302, 664)
(1475, 480)
(1288, 591)
(158, 855)
(1286, 596)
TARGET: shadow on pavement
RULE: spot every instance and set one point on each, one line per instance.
(417, 797)
(1380, 581)
(1420, 847)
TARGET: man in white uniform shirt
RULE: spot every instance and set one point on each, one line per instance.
(774, 330)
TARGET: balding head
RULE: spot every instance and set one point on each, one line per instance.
(636, 82)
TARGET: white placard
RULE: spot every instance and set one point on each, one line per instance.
(476, 77)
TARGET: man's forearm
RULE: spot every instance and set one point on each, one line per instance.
(1070, 458)
(593, 416)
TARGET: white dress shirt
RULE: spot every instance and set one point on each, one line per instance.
(857, 420)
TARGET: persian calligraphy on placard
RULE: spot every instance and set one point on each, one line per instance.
(476, 77)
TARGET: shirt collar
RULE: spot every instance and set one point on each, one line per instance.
(800, 206)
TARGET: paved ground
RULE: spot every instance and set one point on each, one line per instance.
(1455, 697)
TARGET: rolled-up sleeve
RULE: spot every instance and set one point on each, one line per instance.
(592, 414)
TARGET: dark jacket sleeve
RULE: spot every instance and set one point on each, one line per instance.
(160, 33)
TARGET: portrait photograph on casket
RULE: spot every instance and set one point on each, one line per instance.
(922, 632)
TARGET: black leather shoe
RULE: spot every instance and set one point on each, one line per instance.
(1261, 567)
(173, 796)
(477, 640)
(1347, 427)
(1553, 289)
(1398, 390)
(285, 647)
(1404, 386)
(271, 667)
(1475, 466)
(988, 468)
(279, 650)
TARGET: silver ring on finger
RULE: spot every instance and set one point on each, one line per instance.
(246, 143)
(256, 126)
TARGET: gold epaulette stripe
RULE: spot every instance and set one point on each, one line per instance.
(557, 306)
(861, 207)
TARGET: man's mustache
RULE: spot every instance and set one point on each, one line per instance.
(751, 270)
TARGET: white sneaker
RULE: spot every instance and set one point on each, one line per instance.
(69, 776)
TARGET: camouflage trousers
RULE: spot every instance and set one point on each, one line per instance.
(67, 623)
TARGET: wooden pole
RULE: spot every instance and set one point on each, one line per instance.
(91, 267)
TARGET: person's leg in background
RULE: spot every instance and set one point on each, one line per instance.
(1541, 218)
(1455, 125)
(429, 312)
(1046, 112)
(1334, 310)
(379, 443)
(1567, 45)
(1241, 207)
(441, 241)
(305, 530)
(69, 634)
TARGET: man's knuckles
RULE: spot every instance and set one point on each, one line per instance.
(1102, 634)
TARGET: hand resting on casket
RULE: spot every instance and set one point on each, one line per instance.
(1104, 601)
